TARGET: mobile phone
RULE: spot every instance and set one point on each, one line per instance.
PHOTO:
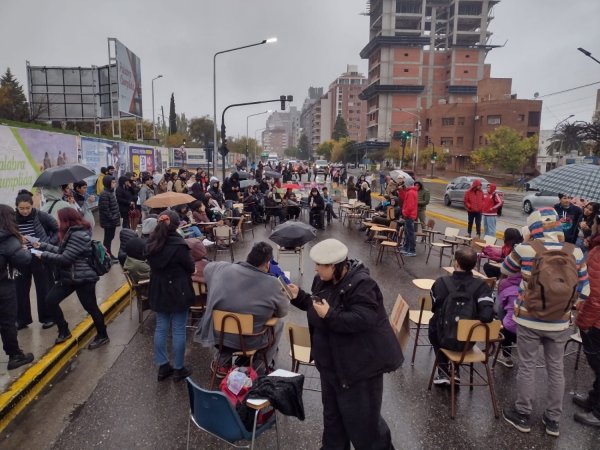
(285, 288)
(316, 299)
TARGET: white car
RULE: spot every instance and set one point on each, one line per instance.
(320, 164)
(539, 200)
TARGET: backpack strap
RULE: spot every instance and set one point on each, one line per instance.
(52, 206)
(470, 288)
(539, 247)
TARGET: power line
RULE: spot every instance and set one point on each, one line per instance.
(567, 90)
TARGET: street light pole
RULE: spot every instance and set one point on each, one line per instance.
(215, 143)
(248, 137)
(588, 54)
(256, 141)
(153, 117)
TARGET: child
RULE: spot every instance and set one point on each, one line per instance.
(508, 291)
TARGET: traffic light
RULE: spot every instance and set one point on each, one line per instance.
(282, 99)
(224, 150)
(434, 156)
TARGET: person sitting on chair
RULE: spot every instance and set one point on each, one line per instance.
(328, 205)
(317, 206)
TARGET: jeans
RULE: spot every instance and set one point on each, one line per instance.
(528, 344)
(8, 316)
(87, 297)
(409, 236)
(591, 348)
(476, 216)
(42, 276)
(192, 232)
(175, 321)
(489, 223)
(109, 235)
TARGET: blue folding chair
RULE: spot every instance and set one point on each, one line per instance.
(212, 412)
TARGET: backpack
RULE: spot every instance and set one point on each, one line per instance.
(459, 304)
(552, 287)
(100, 260)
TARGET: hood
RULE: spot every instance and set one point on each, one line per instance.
(492, 187)
(136, 248)
(107, 180)
(213, 178)
(53, 193)
(122, 181)
(162, 259)
(476, 184)
(355, 267)
(543, 223)
(4, 234)
(198, 249)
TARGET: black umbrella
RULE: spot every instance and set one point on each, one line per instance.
(244, 175)
(57, 176)
(272, 174)
(293, 234)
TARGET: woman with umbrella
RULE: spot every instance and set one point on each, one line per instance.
(290, 202)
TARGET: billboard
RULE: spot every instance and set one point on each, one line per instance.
(178, 156)
(96, 153)
(129, 80)
(141, 159)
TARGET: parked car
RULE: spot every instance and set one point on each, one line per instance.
(321, 164)
(538, 200)
(455, 191)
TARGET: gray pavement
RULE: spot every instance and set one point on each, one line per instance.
(120, 405)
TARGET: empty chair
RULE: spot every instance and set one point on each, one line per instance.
(419, 319)
(223, 240)
(299, 345)
(448, 241)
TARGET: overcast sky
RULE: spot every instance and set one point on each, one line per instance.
(316, 40)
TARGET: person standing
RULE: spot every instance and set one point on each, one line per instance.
(108, 212)
(351, 188)
(146, 193)
(42, 226)
(13, 256)
(409, 213)
(100, 180)
(570, 216)
(423, 198)
(83, 201)
(171, 293)
(473, 201)
(353, 345)
(542, 313)
(382, 180)
(126, 199)
(73, 273)
(491, 204)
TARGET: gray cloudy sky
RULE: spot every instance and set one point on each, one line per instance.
(316, 40)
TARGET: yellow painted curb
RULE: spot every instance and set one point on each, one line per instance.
(462, 223)
(24, 390)
(434, 180)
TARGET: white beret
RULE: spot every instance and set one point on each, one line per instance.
(329, 251)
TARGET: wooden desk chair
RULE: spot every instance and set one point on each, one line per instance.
(419, 319)
(241, 325)
(393, 243)
(448, 241)
(471, 331)
(423, 234)
(293, 251)
(199, 306)
(223, 240)
(299, 346)
(139, 291)
(246, 225)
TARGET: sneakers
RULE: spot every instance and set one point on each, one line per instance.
(98, 341)
(180, 374)
(165, 371)
(506, 361)
(222, 371)
(551, 426)
(47, 325)
(16, 361)
(441, 379)
(519, 421)
(583, 402)
(410, 254)
(587, 418)
(63, 336)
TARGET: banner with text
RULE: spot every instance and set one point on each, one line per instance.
(141, 159)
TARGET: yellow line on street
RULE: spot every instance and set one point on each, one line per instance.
(462, 223)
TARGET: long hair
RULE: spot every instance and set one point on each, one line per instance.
(70, 217)
(168, 221)
(8, 221)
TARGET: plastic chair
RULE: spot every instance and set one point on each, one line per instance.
(199, 306)
(472, 331)
(212, 412)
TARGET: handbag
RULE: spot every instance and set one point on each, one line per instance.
(134, 217)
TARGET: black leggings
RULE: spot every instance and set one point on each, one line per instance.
(477, 217)
(109, 235)
(87, 297)
(8, 317)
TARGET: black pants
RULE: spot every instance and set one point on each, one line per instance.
(591, 348)
(316, 218)
(435, 343)
(109, 235)
(125, 217)
(510, 338)
(87, 297)
(354, 415)
(330, 212)
(42, 276)
(477, 217)
(8, 317)
(491, 271)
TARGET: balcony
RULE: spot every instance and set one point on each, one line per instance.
(376, 89)
(392, 41)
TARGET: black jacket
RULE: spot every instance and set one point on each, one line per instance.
(171, 287)
(71, 258)
(12, 256)
(108, 208)
(355, 340)
(125, 236)
(125, 196)
(316, 203)
(231, 188)
(44, 225)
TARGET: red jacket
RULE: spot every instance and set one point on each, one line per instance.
(474, 197)
(409, 207)
(491, 202)
(589, 310)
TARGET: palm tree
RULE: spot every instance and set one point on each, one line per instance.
(566, 138)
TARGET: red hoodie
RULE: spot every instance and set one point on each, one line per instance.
(589, 310)
(491, 202)
(474, 197)
(409, 207)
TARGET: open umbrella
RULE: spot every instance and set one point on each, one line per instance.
(272, 174)
(577, 180)
(293, 234)
(243, 175)
(291, 186)
(245, 183)
(57, 176)
(168, 199)
(395, 174)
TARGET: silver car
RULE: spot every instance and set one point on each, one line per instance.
(465, 179)
(455, 191)
(539, 200)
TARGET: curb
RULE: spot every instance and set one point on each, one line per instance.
(25, 388)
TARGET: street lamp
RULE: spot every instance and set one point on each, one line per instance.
(153, 120)
(248, 137)
(215, 143)
(588, 54)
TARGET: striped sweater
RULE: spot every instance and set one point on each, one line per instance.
(522, 259)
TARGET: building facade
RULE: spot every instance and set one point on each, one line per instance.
(281, 131)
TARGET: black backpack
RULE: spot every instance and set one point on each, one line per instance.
(100, 259)
(460, 304)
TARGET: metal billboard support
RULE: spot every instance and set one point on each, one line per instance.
(112, 60)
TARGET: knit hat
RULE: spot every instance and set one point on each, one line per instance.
(329, 251)
(544, 223)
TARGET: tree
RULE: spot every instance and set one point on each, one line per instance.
(340, 130)
(182, 123)
(506, 149)
(566, 138)
(591, 135)
(201, 130)
(303, 147)
(172, 116)
(13, 103)
(292, 152)
(426, 155)
(175, 140)
(324, 150)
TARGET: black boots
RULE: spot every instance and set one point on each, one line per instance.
(15, 361)
(98, 341)
(165, 371)
(63, 335)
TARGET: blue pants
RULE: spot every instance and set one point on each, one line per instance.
(489, 223)
(192, 232)
(409, 236)
(176, 322)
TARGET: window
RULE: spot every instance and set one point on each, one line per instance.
(521, 117)
(406, 54)
(534, 119)
(467, 56)
(530, 133)
(461, 121)
(405, 70)
(447, 121)
(466, 71)
(459, 140)
(494, 120)
(447, 142)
